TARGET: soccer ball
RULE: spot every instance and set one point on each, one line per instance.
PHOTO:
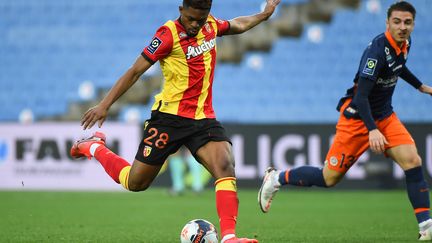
(199, 231)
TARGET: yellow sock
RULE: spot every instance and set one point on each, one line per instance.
(124, 177)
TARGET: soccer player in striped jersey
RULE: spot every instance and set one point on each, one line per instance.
(182, 113)
(367, 121)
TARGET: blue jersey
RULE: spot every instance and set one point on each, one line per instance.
(381, 63)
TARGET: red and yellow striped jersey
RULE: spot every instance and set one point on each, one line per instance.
(187, 65)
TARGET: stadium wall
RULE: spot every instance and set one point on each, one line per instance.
(35, 157)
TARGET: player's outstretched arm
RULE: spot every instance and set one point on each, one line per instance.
(426, 89)
(99, 112)
(244, 23)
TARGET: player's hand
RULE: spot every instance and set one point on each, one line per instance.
(270, 7)
(377, 141)
(93, 115)
(426, 89)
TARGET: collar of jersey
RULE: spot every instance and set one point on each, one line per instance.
(393, 44)
(179, 23)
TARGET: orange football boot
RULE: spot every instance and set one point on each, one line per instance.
(240, 240)
(81, 148)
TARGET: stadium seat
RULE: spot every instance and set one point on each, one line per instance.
(49, 48)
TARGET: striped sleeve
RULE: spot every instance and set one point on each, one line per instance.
(160, 46)
(222, 26)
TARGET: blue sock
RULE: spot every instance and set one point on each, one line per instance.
(418, 193)
(303, 176)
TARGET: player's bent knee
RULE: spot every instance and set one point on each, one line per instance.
(332, 179)
(137, 188)
(130, 185)
(226, 168)
(331, 182)
(414, 161)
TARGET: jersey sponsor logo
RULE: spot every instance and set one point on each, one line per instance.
(387, 83)
(194, 51)
(154, 45)
(370, 66)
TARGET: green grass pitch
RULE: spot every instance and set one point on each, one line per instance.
(154, 216)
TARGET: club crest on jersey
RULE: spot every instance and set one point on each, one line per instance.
(182, 35)
(147, 151)
(194, 51)
(370, 66)
(154, 45)
(207, 27)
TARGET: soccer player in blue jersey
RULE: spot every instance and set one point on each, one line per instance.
(367, 120)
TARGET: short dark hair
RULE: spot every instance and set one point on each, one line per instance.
(198, 4)
(401, 6)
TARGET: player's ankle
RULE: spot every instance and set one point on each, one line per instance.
(227, 237)
(93, 148)
(425, 225)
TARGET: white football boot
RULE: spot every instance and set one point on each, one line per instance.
(426, 235)
(268, 189)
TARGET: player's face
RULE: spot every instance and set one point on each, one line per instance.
(400, 24)
(193, 19)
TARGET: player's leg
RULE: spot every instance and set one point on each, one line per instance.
(407, 158)
(217, 157)
(402, 150)
(350, 141)
(211, 147)
(134, 178)
(305, 176)
(159, 141)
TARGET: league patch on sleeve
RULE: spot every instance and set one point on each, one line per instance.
(370, 66)
(154, 45)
